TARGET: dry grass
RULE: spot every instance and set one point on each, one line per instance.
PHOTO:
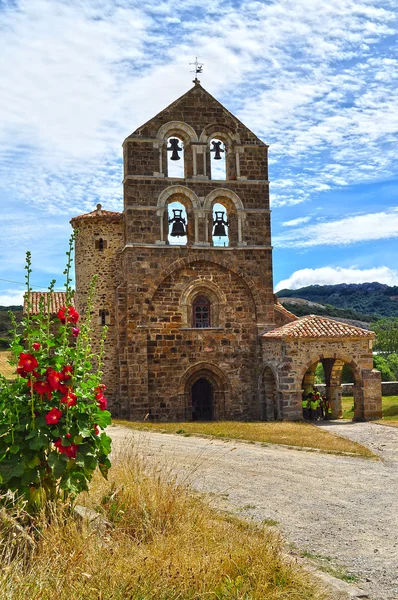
(5, 369)
(301, 435)
(390, 409)
(164, 544)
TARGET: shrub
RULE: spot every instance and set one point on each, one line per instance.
(52, 413)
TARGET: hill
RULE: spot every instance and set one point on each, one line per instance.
(5, 323)
(361, 301)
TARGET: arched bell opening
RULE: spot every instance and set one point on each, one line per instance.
(218, 159)
(220, 229)
(175, 157)
(223, 228)
(177, 222)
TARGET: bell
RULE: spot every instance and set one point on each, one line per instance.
(178, 229)
(217, 150)
(175, 149)
(219, 224)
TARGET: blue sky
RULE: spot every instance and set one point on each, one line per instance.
(315, 79)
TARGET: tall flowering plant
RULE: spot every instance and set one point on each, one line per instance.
(53, 414)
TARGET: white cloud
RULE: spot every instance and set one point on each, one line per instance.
(335, 275)
(350, 230)
(298, 221)
(80, 76)
(11, 298)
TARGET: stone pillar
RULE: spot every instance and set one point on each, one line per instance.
(372, 407)
(291, 404)
(333, 394)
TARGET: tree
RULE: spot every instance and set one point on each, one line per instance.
(381, 364)
(386, 331)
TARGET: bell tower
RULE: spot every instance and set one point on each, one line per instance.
(196, 238)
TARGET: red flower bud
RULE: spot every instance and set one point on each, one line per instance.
(36, 346)
(68, 435)
(102, 403)
(67, 371)
(96, 430)
(75, 331)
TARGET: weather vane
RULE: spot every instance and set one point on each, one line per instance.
(198, 69)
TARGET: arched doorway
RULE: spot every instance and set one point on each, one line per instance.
(202, 400)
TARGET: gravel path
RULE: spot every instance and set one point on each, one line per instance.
(338, 507)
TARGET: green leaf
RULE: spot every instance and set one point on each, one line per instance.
(57, 463)
(14, 449)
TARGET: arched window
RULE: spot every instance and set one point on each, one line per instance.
(220, 227)
(218, 162)
(101, 244)
(178, 223)
(175, 158)
(201, 312)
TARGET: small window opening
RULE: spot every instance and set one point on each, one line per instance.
(178, 223)
(220, 229)
(218, 162)
(175, 158)
(201, 312)
(101, 244)
(103, 317)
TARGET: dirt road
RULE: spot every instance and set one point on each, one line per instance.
(345, 509)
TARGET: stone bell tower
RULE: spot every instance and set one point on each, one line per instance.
(189, 310)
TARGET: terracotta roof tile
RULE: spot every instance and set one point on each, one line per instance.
(58, 299)
(98, 213)
(314, 326)
(280, 308)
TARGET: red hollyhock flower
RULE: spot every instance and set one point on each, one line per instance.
(68, 313)
(55, 379)
(73, 315)
(75, 331)
(96, 430)
(36, 346)
(63, 389)
(99, 395)
(102, 403)
(70, 399)
(22, 372)
(101, 388)
(67, 371)
(42, 387)
(53, 416)
(71, 450)
(27, 362)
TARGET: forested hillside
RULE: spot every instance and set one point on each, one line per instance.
(362, 301)
(5, 323)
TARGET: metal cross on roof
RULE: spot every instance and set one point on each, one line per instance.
(198, 69)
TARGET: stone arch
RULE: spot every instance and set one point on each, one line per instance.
(185, 261)
(180, 190)
(208, 289)
(270, 409)
(179, 129)
(217, 378)
(333, 364)
(219, 194)
(215, 130)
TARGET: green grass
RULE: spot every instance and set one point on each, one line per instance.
(390, 409)
(299, 435)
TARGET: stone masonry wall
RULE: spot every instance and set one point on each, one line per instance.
(90, 261)
(230, 343)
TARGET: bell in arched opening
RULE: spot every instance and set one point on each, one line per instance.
(178, 223)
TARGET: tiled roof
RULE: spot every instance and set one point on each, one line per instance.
(313, 326)
(98, 213)
(280, 308)
(58, 300)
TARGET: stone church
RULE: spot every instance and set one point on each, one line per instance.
(185, 286)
